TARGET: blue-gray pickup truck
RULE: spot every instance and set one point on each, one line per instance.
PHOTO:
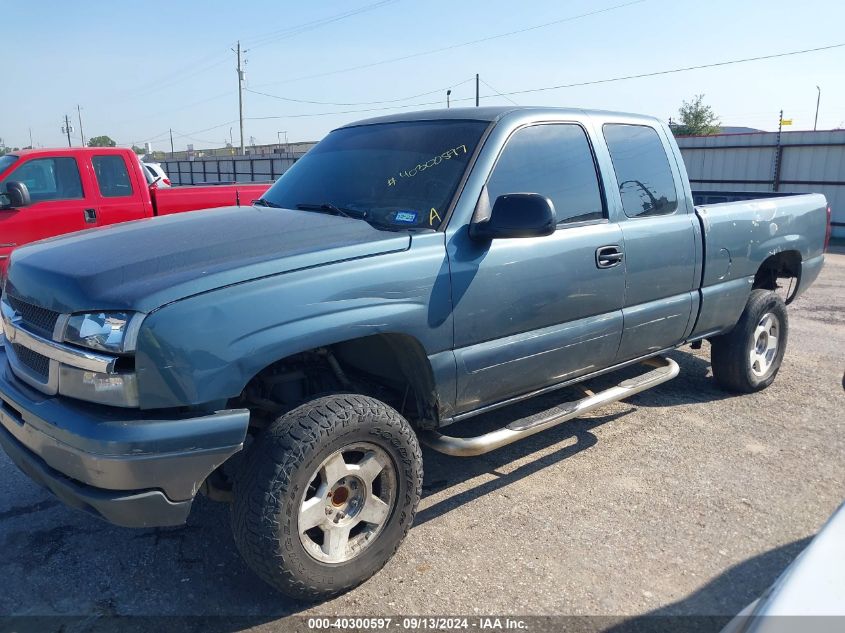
(289, 356)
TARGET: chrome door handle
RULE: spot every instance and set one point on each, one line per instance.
(90, 216)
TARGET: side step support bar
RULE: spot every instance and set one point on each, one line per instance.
(663, 369)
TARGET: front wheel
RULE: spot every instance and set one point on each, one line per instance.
(748, 358)
(326, 495)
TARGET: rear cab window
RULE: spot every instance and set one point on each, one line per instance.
(112, 176)
(645, 179)
(55, 178)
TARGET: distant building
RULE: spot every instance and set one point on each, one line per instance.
(283, 150)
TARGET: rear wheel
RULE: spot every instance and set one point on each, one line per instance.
(326, 495)
(748, 358)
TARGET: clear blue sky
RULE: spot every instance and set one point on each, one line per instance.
(138, 69)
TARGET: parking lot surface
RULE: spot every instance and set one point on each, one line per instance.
(682, 500)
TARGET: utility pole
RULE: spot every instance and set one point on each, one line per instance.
(476, 90)
(241, 95)
(67, 129)
(448, 93)
(279, 137)
(30, 139)
(171, 143)
(81, 133)
(818, 101)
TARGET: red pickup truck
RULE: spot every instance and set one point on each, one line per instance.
(48, 192)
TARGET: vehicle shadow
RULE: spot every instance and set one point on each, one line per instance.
(712, 606)
(694, 384)
(444, 471)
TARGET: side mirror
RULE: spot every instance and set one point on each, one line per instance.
(517, 215)
(16, 196)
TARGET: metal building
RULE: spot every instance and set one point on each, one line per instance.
(807, 162)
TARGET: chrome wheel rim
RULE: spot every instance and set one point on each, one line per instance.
(347, 503)
(764, 345)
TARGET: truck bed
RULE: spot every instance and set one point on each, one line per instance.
(191, 197)
(740, 236)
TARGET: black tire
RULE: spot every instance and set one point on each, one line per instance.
(277, 473)
(730, 354)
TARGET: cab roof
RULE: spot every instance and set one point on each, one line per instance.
(69, 151)
(491, 114)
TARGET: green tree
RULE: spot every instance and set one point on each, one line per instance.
(697, 119)
(101, 141)
(139, 150)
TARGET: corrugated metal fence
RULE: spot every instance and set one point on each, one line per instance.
(806, 162)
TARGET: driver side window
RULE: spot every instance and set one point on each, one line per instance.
(48, 179)
(554, 160)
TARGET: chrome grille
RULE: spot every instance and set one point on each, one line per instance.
(35, 362)
(36, 318)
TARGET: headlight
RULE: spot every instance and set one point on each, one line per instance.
(114, 332)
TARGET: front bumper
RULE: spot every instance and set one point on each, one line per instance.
(130, 467)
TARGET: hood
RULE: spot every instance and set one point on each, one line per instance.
(145, 264)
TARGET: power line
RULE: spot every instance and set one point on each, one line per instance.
(572, 85)
(273, 36)
(539, 89)
(499, 93)
(193, 138)
(675, 70)
(189, 70)
(454, 46)
(228, 93)
(208, 62)
(359, 103)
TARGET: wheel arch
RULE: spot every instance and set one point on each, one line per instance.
(784, 264)
(394, 365)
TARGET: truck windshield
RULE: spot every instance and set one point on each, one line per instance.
(393, 175)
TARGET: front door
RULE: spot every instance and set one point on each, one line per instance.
(55, 187)
(534, 312)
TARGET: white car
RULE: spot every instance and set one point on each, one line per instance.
(156, 175)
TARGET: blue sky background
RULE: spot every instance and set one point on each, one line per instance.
(138, 69)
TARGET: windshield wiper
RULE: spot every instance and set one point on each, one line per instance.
(328, 207)
(263, 202)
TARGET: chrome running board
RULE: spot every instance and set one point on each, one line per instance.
(663, 369)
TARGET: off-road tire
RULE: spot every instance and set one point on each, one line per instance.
(730, 353)
(270, 486)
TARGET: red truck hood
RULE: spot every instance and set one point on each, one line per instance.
(145, 264)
